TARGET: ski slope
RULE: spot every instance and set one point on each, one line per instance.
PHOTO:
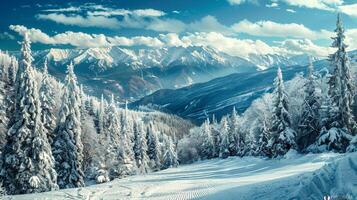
(294, 177)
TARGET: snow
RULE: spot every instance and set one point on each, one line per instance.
(295, 177)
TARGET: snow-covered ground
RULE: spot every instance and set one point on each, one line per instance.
(295, 177)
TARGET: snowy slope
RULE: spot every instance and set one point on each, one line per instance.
(218, 96)
(294, 177)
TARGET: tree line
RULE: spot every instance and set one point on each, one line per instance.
(316, 115)
(55, 136)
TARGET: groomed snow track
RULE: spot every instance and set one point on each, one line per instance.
(296, 177)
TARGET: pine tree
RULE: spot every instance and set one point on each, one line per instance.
(10, 88)
(309, 126)
(67, 144)
(283, 137)
(224, 146)
(236, 142)
(341, 124)
(216, 135)
(170, 156)
(154, 152)
(353, 145)
(47, 104)
(3, 96)
(100, 114)
(262, 148)
(127, 156)
(141, 148)
(28, 165)
(111, 131)
(11, 72)
(207, 145)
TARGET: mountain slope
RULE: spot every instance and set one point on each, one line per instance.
(309, 176)
(218, 96)
(133, 73)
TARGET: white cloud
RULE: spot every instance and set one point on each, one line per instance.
(122, 12)
(272, 5)
(351, 39)
(173, 40)
(238, 2)
(135, 41)
(148, 13)
(209, 24)
(273, 29)
(349, 9)
(290, 10)
(77, 20)
(69, 9)
(165, 25)
(84, 40)
(329, 5)
(6, 36)
(295, 46)
(230, 45)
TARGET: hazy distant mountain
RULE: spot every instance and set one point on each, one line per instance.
(218, 96)
(132, 73)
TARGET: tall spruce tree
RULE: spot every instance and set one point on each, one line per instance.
(154, 152)
(262, 148)
(341, 124)
(170, 156)
(207, 144)
(28, 165)
(67, 145)
(282, 136)
(309, 125)
(224, 146)
(111, 134)
(216, 135)
(141, 148)
(11, 90)
(127, 156)
(236, 140)
(47, 104)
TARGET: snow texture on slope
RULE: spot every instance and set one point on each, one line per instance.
(294, 177)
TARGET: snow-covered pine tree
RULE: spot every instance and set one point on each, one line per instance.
(100, 115)
(127, 123)
(11, 72)
(236, 142)
(141, 148)
(3, 96)
(28, 165)
(216, 135)
(110, 138)
(170, 156)
(262, 148)
(309, 125)
(48, 118)
(341, 124)
(207, 144)
(154, 152)
(10, 88)
(224, 146)
(282, 136)
(67, 145)
(251, 145)
(126, 155)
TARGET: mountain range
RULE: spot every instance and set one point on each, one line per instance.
(132, 73)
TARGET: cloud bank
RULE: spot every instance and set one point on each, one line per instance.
(227, 44)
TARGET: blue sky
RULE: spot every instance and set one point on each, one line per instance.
(237, 27)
